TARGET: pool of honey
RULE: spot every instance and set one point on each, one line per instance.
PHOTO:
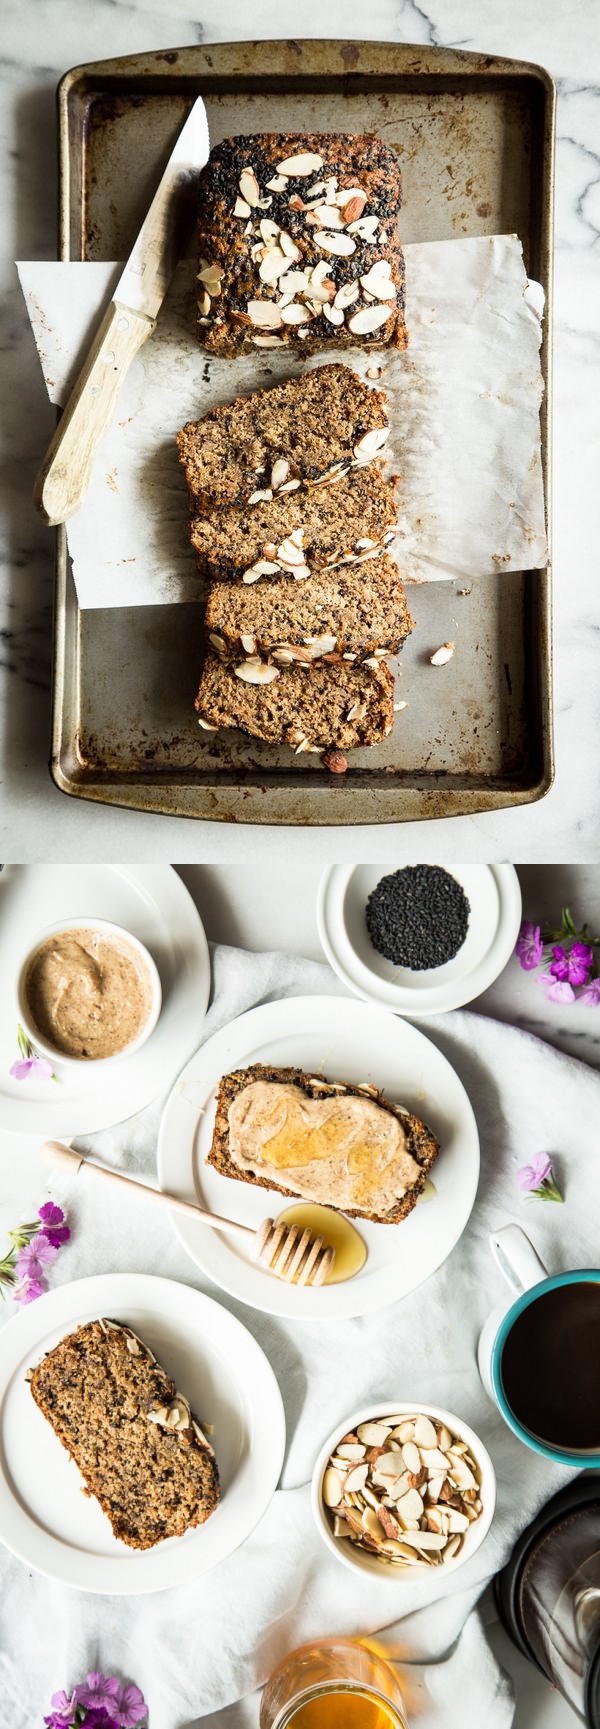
(350, 1250)
(344, 1709)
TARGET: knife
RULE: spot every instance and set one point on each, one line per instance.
(128, 321)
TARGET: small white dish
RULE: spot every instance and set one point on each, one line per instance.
(44, 1517)
(146, 965)
(494, 896)
(359, 1560)
(151, 903)
(348, 1041)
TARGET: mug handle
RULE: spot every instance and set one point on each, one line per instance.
(516, 1258)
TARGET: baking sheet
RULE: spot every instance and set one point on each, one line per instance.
(475, 140)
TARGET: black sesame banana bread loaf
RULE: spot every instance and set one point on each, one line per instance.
(299, 246)
(302, 532)
(351, 610)
(310, 708)
(307, 431)
(142, 1453)
(267, 1129)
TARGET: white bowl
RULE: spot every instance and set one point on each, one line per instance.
(57, 1057)
(360, 1560)
(494, 896)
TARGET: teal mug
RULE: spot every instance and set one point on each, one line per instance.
(537, 1353)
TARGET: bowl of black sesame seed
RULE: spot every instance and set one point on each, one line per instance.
(419, 939)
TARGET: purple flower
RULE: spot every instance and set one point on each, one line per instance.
(98, 1718)
(530, 1176)
(52, 1219)
(34, 1257)
(131, 1706)
(590, 993)
(538, 1179)
(557, 991)
(63, 1712)
(24, 1066)
(100, 1691)
(572, 968)
(29, 1290)
(529, 946)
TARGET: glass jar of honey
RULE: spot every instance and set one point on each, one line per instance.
(333, 1684)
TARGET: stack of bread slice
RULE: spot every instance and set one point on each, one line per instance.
(290, 517)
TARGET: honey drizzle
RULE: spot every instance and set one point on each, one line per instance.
(350, 1249)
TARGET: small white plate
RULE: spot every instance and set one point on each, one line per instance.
(150, 901)
(494, 896)
(44, 1517)
(344, 1040)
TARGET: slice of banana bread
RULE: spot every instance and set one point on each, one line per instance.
(141, 1451)
(310, 708)
(400, 1167)
(354, 610)
(299, 246)
(305, 431)
(304, 531)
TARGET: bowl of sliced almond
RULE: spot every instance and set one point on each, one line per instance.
(401, 1487)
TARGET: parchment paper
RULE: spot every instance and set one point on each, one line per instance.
(464, 407)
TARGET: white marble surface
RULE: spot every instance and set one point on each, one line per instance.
(36, 45)
(268, 909)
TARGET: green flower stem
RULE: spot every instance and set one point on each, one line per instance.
(548, 1191)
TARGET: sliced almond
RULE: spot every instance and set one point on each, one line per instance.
(278, 183)
(264, 314)
(279, 473)
(241, 207)
(288, 245)
(452, 1547)
(410, 1506)
(272, 266)
(356, 1479)
(249, 187)
(371, 1524)
(204, 303)
(457, 1521)
(434, 1486)
(290, 486)
(333, 315)
(365, 449)
(261, 497)
(391, 1465)
(218, 642)
(460, 1473)
(298, 167)
(210, 275)
(411, 1456)
(267, 341)
(434, 1459)
(341, 245)
(424, 1539)
(249, 644)
(378, 280)
(442, 655)
(425, 1435)
(207, 724)
(332, 1488)
(296, 314)
(263, 567)
(328, 216)
(374, 1434)
(261, 674)
(268, 229)
(352, 1450)
(368, 319)
(346, 294)
(366, 227)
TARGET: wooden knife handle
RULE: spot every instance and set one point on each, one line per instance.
(66, 471)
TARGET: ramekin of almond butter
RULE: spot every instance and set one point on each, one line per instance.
(400, 1488)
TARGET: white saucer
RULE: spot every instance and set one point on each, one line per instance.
(44, 1517)
(494, 896)
(153, 903)
(349, 1041)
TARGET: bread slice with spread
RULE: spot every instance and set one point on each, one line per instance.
(332, 1142)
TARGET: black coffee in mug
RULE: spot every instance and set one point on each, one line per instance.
(549, 1367)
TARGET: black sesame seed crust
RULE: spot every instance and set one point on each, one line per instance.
(354, 161)
(421, 1143)
(418, 917)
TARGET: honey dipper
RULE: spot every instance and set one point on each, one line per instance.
(282, 1249)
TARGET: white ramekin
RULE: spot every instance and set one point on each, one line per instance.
(58, 1057)
(361, 1560)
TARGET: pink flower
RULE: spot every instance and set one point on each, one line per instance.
(52, 1220)
(34, 1257)
(63, 1711)
(131, 1706)
(29, 1290)
(529, 947)
(573, 967)
(556, 991)
(99, 1691)
(25, 1065)
(590, 993)
(530, 1176)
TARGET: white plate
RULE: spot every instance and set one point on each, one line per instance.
(153, 903)
(494, 895)
(44, 1517)
(346, 1041)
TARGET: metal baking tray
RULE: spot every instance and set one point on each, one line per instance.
(475, 137)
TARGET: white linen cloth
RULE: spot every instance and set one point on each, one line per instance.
(464, 414)
(200, 1653)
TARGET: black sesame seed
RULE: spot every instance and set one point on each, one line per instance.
(418, 917)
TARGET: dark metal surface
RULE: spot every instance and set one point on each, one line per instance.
(475, 139)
